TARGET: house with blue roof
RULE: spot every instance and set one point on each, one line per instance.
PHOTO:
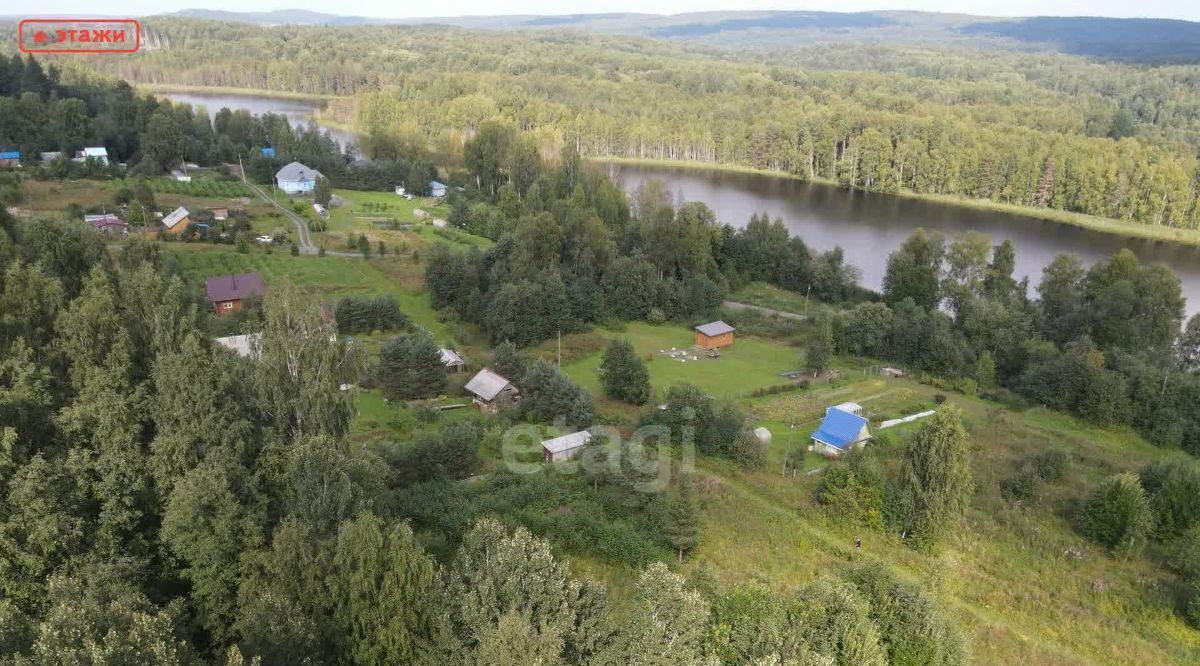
(10, 158)
(843, 428)
(436, 189)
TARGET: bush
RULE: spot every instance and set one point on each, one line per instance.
(748, 452)
(1173, 488)
(1117, 515)
(1020, 487)
(852, 488)
(1050, 465)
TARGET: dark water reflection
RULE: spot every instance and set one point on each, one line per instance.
(868, 225)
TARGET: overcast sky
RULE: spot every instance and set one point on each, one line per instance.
(1181, 9)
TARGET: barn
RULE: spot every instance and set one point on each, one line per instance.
(714, 335)
(491, 391)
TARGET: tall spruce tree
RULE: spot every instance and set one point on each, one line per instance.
(683, 517)
(623, 374)
(410, 367)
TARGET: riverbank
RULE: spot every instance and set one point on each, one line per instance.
(1189, 237)
(225, 90)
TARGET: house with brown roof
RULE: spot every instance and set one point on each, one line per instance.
(226, 292)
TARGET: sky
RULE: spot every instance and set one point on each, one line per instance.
(1180, 9)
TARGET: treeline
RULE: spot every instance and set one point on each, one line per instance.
(1025, 132)
(40, 113)
(1103, 342)
(571, 250)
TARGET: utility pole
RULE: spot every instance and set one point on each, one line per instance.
(806, 300)
(558, 354)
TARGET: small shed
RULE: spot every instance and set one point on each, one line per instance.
(220, 213)
(567, 446)
(839, 431)
(891, 372)
(400, 191)
(763, 434)
(452, 360)
(436, 189)
(50, 156)
(268, 152)
(491, 391)
(10, 159)
(714, 335)
(177, 221)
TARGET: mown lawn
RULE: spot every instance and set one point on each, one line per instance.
(748, 365)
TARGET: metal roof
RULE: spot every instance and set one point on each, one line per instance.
(295, 171)
(840, 428)
(450, 357)
(234, 287)
(247, 345)
(715, 328)
(487, 384)
(567, 442)
(176, 216)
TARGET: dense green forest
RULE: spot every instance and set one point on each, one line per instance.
(1037, 130)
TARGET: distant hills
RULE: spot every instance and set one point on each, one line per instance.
(1134, 40)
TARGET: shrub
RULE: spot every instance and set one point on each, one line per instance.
(852, 488)
(748, 452)
(1173, 488)
(1020, 487)
(1051, 465)
(1117, 515)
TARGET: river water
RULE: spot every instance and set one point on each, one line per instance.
(869, 225)
(866, 225)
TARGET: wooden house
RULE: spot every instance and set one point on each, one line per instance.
(226, 292)
(177, 221)
(490, 391)
(714, 335)
(839, 431)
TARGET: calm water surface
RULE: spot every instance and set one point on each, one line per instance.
(868, 226)
(297, 111)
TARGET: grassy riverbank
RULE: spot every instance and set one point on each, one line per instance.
(1092, 222)
(223, 90)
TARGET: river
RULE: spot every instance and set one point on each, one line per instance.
(866, 225)
(869, 225)
(297, 111)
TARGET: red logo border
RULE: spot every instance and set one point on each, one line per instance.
(137, 41)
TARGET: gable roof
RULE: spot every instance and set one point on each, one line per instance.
(451, 357)
(296, 171)
(10, 155)
(839, 429)
(96, 151)
(178, 215)
(434, 183)
(567, 442)
(487, 384)
(715, 328)
(234, 287)
(247, 345)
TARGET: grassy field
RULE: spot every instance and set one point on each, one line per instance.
(748, 365)
(328, 277)
(1025, 585)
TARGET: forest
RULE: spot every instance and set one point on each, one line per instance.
(1037, 130)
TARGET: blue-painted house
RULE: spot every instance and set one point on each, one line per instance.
(436, 189)
(842, 429)
(295, 178)
(10, 158)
